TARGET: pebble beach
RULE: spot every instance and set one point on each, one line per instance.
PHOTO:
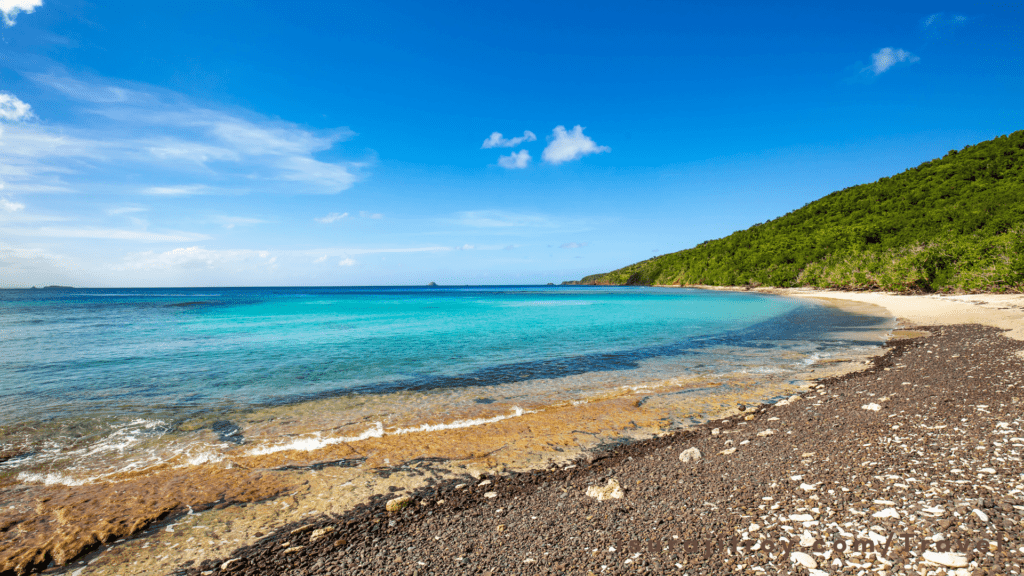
(909, 466)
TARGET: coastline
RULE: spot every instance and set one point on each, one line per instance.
(330, 490)
(910, 466)
(1003, 311)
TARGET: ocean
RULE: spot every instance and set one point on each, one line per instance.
(97, 383)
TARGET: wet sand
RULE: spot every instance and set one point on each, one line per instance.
(335, 480)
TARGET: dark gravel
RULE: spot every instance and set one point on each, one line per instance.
(939, 446)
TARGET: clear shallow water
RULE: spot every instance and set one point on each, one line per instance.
(126, 377)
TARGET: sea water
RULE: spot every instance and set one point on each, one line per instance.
(94, 382)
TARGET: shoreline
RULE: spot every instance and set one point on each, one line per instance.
(1004, 311)
(910, 466)
(322, 482)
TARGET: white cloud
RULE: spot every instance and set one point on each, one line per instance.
(370, 215)
(397, 250)
(11, 8)
(194, 257)
(572, 245)
(9, 206)
(23, 267)
(501, 219)
(564, 146)
(320, 260)
(120, 128)
(888, 57)
(515, 160)
(105, 234)
(331, 218)
(495, 140)
(126, 210)
(347, 262)
(175, 190)
(232, 221)
(13, 109)
(940, 20)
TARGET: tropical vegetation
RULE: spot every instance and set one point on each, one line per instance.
(955, 223)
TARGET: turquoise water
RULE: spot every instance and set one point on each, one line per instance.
(87, 372)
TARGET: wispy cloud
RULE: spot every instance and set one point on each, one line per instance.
(573, 245)
(105, 234)
(126, 210)
(194, 257)
(888, 57)
(166, 137)
(515, 160)
(940, 23)
(11, 8)
(230, 222)
(495, 140)
(347, 262)
(501, 219)
(370, 215)
(189, 190)
(564, 146)
(12, 109)
(9, 206)
(331, 218)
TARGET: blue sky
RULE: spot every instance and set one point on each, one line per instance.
(302, 143)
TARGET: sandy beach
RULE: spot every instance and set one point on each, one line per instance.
(344, 528)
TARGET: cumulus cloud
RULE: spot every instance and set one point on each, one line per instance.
(11, 8)
(515, 160)
(347, 262)
(331, 218)
(888, 57)
(564, 146)
(13, 109)
(496, 140)
(9, 206)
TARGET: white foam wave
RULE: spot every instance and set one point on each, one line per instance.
(51, 478)
(315, 442)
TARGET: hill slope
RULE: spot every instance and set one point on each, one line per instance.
(954, 223)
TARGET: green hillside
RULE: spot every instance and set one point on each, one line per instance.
(952, 224)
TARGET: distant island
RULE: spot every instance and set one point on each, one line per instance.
(954, 224)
